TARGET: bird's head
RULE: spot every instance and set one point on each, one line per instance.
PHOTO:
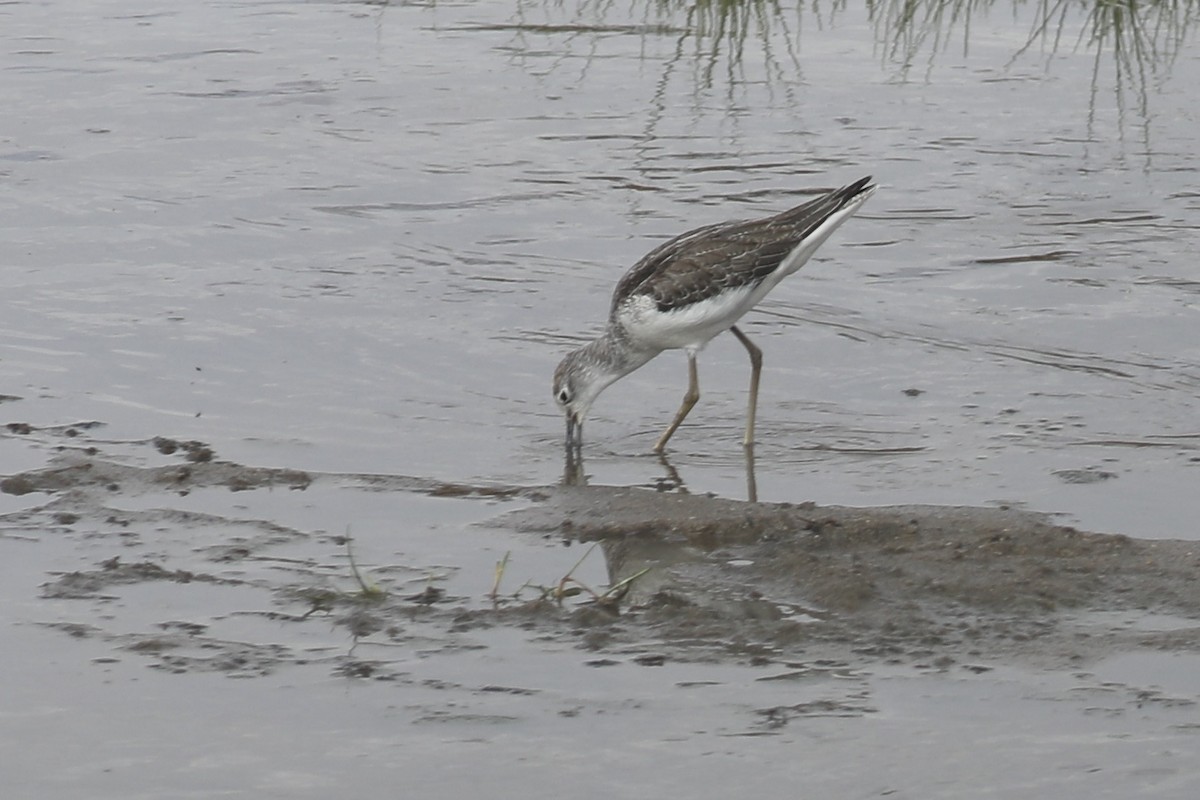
(578, 381)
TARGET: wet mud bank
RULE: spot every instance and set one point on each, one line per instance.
(689, 578)
(400, 616)
(903, 584)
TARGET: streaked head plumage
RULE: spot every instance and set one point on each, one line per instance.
(579, 379)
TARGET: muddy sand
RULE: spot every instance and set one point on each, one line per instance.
(782, 595)
(711, 578)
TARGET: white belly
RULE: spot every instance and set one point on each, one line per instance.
(689, 326)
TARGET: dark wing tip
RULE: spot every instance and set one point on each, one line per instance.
(859, 186)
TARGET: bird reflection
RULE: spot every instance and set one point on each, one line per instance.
(573, 474)
(671, 481)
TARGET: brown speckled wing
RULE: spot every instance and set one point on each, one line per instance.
(706, 261)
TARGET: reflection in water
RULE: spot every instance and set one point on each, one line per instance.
(716, 38)
(1140, 39)
(573, 474)
(717, 27)
(671, 482)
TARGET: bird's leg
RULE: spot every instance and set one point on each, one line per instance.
(689, 400)
(751, 480)
(755, 371)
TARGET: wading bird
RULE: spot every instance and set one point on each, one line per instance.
(688, 290)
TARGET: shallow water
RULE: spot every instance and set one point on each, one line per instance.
(356, 238)
(353, 237)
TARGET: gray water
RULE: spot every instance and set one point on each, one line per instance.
(341, 236)
(356, 238)
(359, 238)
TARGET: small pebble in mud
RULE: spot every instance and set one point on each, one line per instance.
(1089, 475)
(194, 451)
(19, 428)
(17, 484)
(198, 452)
(428, 596)
(650, 660)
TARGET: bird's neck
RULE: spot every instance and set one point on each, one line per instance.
(616, 352)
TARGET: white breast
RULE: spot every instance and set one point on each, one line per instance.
(690, 326)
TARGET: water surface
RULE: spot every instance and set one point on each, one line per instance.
(344, 236)
(356, 238)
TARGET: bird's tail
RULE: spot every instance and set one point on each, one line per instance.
(813, 222)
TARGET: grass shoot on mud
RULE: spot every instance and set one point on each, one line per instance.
(368, 592)
(324, 600)
(565, 587)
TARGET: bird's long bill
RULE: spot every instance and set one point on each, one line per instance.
(574, 432)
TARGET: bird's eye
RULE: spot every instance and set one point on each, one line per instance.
(563, 396)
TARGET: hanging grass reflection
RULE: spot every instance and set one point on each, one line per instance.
(1133, 42)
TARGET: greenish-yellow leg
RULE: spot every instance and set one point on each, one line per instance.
(689, 400)
(755, 371)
